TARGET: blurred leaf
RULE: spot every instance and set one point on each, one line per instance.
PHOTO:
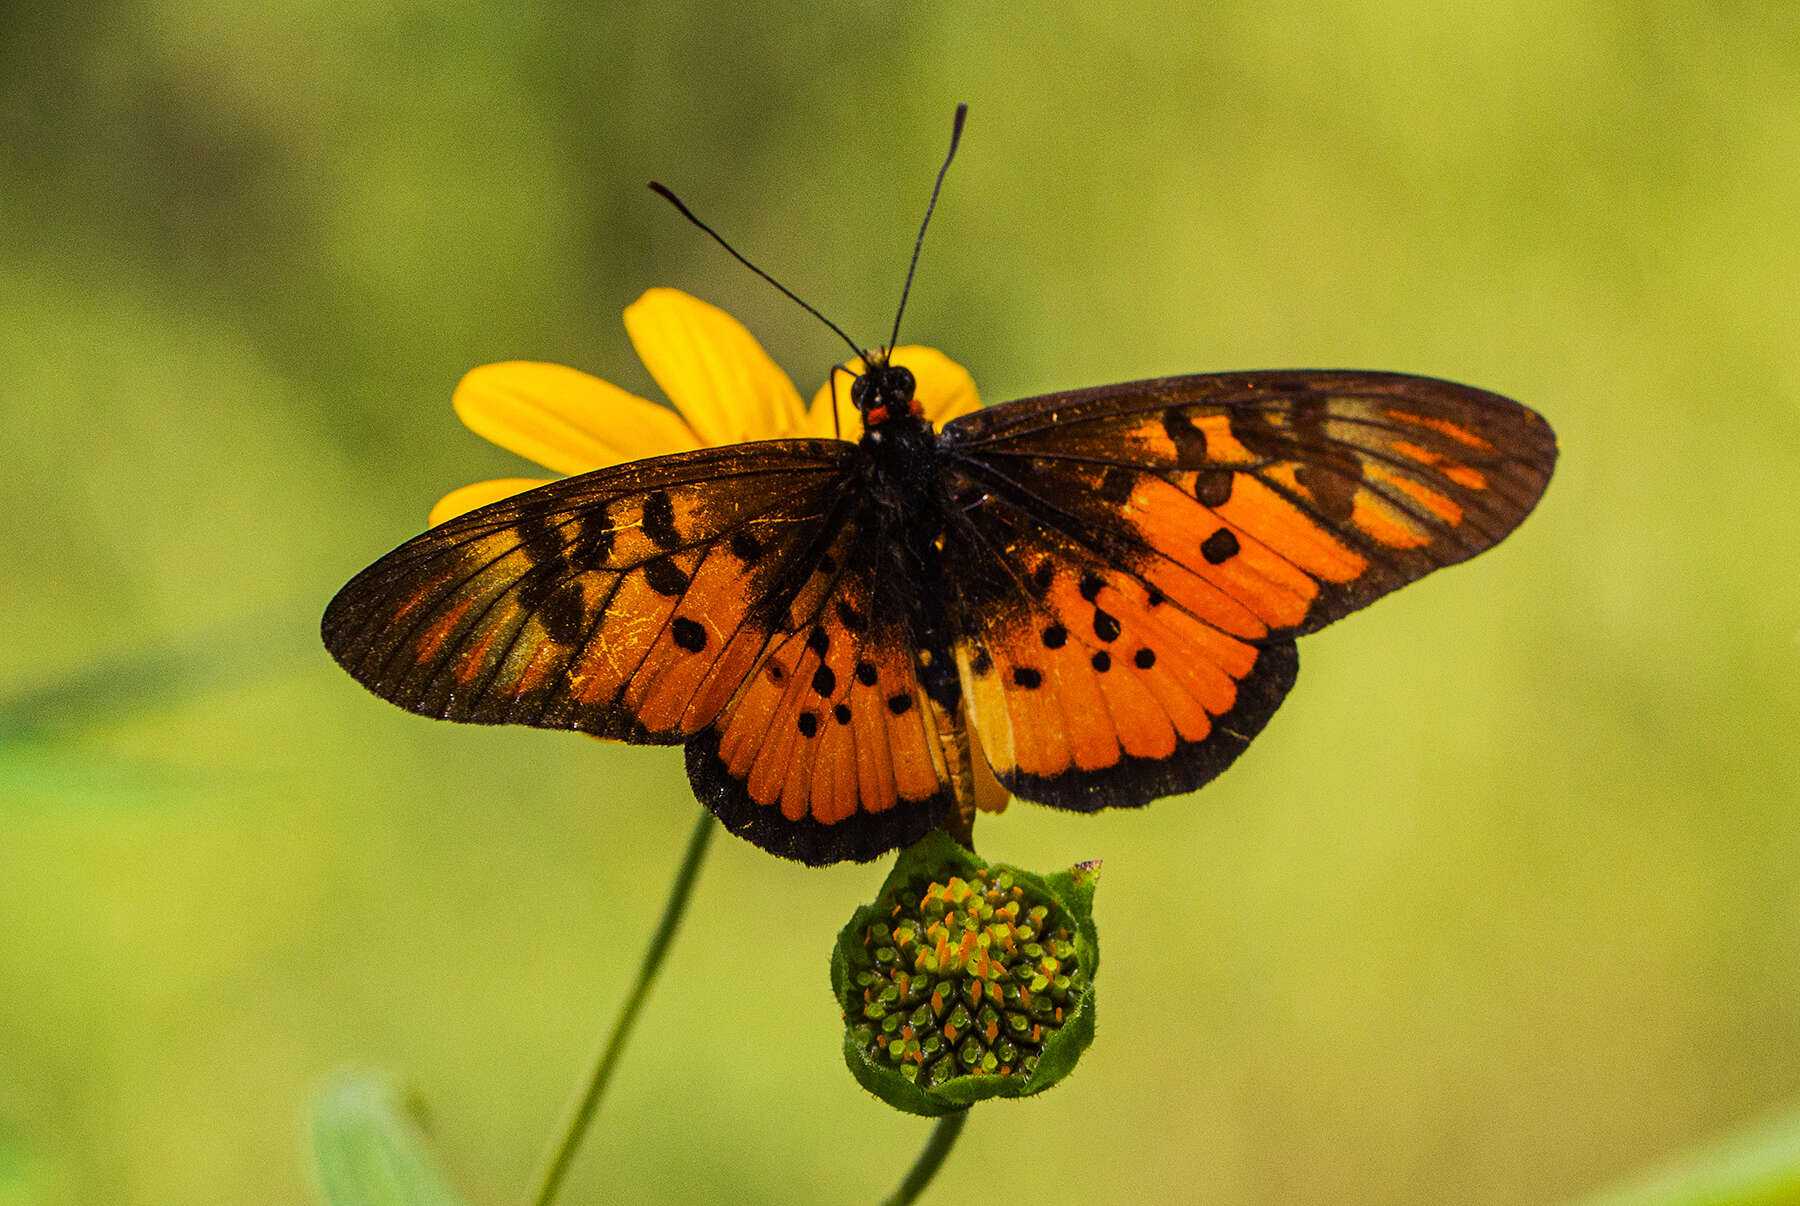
(41, 754)
(237, 650)
(1759, 1166)
(48, 770)
(369, 1150)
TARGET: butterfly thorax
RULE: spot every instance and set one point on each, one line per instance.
(901, 471)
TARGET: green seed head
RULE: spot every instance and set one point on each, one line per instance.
(961, 981)
(1006, 964)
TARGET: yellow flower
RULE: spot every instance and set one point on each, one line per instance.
(724, 386)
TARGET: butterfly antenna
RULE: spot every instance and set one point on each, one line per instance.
(956, 129)
(663, 192)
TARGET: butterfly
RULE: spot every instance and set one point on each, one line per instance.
(1103, 587)
(1092, 595)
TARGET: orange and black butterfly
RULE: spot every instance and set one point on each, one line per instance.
(1097, 592)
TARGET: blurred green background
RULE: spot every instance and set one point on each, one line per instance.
(1502, 906)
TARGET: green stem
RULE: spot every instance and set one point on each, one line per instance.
(583, 1112)
(937, 1149)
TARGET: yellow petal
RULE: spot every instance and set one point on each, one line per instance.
(714, 371)
(563, 419)
(460, 502)
(944, 389)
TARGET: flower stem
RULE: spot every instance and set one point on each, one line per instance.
(937, 1150)
(583, 1112)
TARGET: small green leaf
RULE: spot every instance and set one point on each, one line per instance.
(1758, 1166)
(369, 1150)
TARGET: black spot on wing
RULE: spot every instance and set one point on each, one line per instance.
(591, 541)
(538, 584)
(538, 538)
(1220, 547)
(665, 577)
(850, 618)
(659, 521)
(746, 547)
(1189, 441)
(1332, 484)
(564, 614)
(1212, 487)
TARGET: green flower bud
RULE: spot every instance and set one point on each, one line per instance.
(963, 981)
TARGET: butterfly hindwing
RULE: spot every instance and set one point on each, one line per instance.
(829, 750)
(1090, 687)
(1178, 534)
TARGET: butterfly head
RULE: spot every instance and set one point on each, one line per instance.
(884, 391)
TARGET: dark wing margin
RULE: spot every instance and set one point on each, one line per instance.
(1133, 562)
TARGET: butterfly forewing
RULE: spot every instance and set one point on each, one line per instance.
(1163, 542)
(1360, 482)
(626, 603)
